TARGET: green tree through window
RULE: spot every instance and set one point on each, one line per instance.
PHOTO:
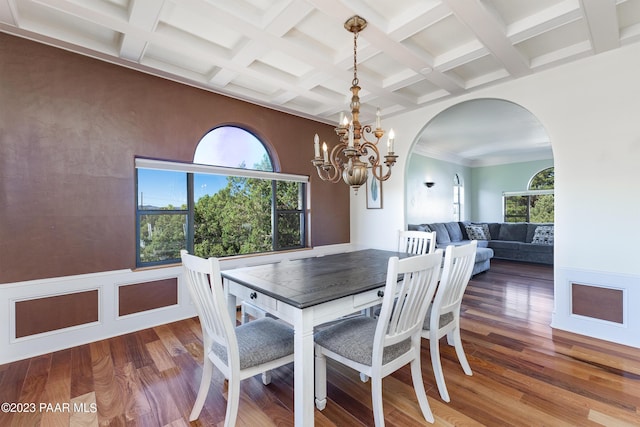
(535, 205)
(227, 214)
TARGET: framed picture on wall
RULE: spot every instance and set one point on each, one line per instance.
(374, 191)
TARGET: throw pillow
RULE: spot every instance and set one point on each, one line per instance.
(485, 229)
(543, 235)
(476, 232)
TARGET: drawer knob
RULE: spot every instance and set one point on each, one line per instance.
(253, 295)
(381, 293)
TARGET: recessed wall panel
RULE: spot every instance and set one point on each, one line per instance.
(597, 302)
(147, 296)
(39, 315)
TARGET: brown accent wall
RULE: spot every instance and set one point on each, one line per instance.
(47, 314)
(147, 296)
(597, 302)
(70, 128)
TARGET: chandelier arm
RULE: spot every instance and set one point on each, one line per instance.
(354, 155)
(373, 158)
(380, 177)
(334, 158)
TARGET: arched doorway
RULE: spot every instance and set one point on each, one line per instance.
(492, 145)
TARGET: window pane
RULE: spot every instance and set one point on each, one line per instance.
(160, 189)
(542, 208)
(236, 219)
(288, 195)
(516, 208)
(232, 147)
(289, 230)
(543, 180)
(162, 236)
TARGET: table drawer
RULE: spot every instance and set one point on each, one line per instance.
(253, 297)
(367, 299)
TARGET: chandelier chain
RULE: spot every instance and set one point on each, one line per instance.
(355, 156)
(355, 61)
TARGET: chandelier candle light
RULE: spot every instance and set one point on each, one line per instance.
(345, 158)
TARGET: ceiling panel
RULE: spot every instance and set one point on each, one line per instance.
(296, 56)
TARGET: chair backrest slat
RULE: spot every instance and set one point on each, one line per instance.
(417, 242)
(405, 302)
(204, 282)
(456, 272)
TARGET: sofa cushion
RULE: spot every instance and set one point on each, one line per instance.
(528, 248)
(483, 254)
(494, 229)
(463, 229)
(477, 232)
(543, 235)
(515, 232)
(531, 230)
(442, 235)
(453, 228)
(504, 244)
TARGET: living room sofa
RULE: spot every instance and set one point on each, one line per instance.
(450, 233)
(519, 241)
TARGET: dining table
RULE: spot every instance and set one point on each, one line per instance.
(307, 293)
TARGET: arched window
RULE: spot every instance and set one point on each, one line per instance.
(232, 147)
(231, 202)
(543, 180)
(458, 198)
(534, 205)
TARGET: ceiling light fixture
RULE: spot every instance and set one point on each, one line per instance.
(345, 158)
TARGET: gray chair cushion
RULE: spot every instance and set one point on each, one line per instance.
(353, 339)
(260, 341)
(444, 319)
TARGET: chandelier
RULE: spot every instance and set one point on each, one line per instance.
(346, 158)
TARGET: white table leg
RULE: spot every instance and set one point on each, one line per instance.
(303, 369)
(232, 304)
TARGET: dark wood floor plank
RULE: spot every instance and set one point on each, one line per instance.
(58, 391)
(524, 373)
(81, 367)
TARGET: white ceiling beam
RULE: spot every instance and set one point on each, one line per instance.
(552, 17)
(282, 21)
(9, 12)
(491, 32)
(602, 20)
(384, 43)
(423, 15)
(143, 14)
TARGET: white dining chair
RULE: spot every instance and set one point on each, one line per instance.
(417, 242)
(238, 352)
(443, 316)
(412, 242)
(379, 347)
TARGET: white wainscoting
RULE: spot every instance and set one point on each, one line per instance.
(109, 323)
(564, 318)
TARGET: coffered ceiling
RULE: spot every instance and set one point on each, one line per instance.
(296, 56)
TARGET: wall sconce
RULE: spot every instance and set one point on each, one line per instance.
(429, 184)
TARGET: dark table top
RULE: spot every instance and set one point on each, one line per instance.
(310, 281)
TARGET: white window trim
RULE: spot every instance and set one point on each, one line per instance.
(526, 193)
(216, 170)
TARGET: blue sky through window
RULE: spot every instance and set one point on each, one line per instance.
(227, 146)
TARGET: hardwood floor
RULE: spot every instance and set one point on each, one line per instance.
(524, 374)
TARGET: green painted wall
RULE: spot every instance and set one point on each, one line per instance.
(483, 188)
(435, 204)
(489, 182)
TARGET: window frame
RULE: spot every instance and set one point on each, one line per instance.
(190, 169)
